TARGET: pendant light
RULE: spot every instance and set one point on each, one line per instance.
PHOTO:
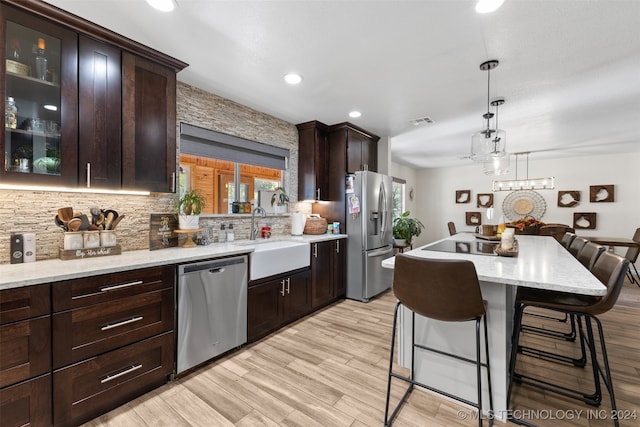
(488, 144)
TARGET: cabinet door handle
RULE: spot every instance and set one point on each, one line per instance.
(88, 175)
(337, 247)
(120, 286)
(282, 291)
(173, 182)
(288, 285)
(124, 322)
(119, 374)
(315, 250)
(318, 193)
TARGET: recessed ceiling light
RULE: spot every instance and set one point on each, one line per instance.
(488, 6)
(355, 114)
(162, 5)
(293, 78)
(50, 107)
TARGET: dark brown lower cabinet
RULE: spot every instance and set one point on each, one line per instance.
(27, 403)
(328, 271)
(89, 388)
(277, 301)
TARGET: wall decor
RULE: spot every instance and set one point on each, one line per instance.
(473, 218)
(584, 220)
(161, 232)
(519, 204)
(484, 200)
(568, 199)
(601, 193)
(463, 196)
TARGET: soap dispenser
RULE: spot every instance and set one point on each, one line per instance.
(230, 234)
(222, 234)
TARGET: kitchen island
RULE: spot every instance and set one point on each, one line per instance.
(541, 263)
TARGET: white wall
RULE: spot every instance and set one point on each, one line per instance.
(435, 205)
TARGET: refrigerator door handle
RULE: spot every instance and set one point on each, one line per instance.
(383, 192)
(381, 251)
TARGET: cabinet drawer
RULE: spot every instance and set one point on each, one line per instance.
(88, 331)
(23, 303)
(97, 385)
(25, 349)
(27, 403)
(96, 289)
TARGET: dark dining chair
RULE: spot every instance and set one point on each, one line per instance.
(610, 269)
(632, 256)
(576, 246)
(452, 228)
(567, 239)
(590, 253)
(444, 290)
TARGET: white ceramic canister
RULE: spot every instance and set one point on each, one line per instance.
(73, 240)
(107, 238)
(91, 239)
(506, 241)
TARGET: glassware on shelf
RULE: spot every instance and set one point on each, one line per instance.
(11, 114)
(40, 61)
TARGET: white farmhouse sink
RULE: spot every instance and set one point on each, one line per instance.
(277, 257)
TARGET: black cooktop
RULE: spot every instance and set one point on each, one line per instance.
(474, 248)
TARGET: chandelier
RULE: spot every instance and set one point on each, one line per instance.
(524, 184)
(489, 144)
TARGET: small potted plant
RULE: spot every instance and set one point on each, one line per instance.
(405, 228)
(190, 207)
(279, 198)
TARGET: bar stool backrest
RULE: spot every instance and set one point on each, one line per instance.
(632, 253)
(610, 269)
(577, 245)
(446, 290)
(589, 254)
(567, 239)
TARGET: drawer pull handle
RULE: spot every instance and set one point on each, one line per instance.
(124, 322)
(123, 285)
(119, 374)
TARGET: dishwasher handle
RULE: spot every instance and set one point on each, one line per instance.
(217, 270)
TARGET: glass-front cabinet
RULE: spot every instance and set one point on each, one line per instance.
(40, 98)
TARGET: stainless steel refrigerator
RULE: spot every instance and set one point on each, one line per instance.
(368, 225)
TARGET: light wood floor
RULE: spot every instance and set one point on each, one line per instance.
(329, 369)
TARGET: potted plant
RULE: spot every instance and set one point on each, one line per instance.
(190, 206)
(279, 198)
(405, 228)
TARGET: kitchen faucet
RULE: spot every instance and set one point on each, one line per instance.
(254, 229)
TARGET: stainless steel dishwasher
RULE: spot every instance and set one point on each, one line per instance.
(212, 309)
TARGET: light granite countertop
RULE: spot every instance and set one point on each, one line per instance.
(53, 270)
(541, 263)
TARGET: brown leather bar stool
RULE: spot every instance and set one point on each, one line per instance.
(576, 246)
(445, 290)
(632, 256)
(567, 239)
(587, 257)
(609, 269)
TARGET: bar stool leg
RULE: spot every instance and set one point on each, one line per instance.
(486, 351)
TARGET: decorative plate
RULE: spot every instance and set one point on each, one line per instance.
(523, 203)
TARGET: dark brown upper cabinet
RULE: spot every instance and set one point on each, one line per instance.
(115, 122)
(313, 178)
(100, 102)
(39, 70)
(149, 132)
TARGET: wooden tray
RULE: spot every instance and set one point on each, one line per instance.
(513, 252)
(483, 237)
(90, 252)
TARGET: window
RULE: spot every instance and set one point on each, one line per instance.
(398, 196)
(226, 169)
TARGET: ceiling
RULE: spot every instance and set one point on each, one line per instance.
(569, 70)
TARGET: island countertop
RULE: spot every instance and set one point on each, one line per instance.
(53, 270)
(542, 263)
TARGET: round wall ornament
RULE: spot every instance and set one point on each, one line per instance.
(411, 194)
(523, 203)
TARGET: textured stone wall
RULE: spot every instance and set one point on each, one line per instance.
(34, 211)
